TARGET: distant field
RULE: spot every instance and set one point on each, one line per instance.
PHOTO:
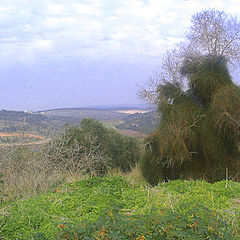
(131, 133)
(21, 139)
(111, 123)
(133, 111)
(144, 123)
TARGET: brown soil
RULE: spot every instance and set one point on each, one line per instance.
(43, 139)
(132, 133)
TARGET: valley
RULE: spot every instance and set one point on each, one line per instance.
(31, 128)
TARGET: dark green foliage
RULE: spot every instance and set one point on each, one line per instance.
(150, 161)
(1, 192)
(96, 148)
(124, 151)
(209, 75)
(200, 129)
(225, 110)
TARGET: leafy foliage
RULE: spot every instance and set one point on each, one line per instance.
(111, 207)
(195, 223)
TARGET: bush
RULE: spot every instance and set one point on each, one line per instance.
(25, 173)
(94, 149)
(199, 134)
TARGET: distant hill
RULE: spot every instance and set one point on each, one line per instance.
(18, 121)
(80, 113)
(43, 123)
(118, 106)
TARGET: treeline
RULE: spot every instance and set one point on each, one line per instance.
(20, 116)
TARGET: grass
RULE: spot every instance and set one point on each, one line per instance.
(111, 123)
(119, 207)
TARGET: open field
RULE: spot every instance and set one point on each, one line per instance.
(133, 111)
(21, 135)
(132, 133)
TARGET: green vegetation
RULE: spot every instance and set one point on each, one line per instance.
(140, 122)
(95, 149)
(113, 208)
(68, 188)
(199, 134)
(51, 122)
(81, 113)
(1, 186)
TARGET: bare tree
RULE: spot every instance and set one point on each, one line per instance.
(152, 92)
(213, 32)
(77, 157)
(217, 33)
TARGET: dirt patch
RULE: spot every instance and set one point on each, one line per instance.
(131, 133)
(40, 139)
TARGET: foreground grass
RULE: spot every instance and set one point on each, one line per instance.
(115, 208)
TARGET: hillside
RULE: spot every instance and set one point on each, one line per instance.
(140, 122)
(47, 121)
(51, 120)
(19, 121)
(129, 121)
(114, 208)
(80, 113)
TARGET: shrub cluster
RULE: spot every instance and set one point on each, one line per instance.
(25, 173)
(92, 148)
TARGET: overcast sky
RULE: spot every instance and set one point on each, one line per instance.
(74, 53)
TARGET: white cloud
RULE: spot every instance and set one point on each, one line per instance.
(59, 22)
(44, 44)
(100, 28)
(84, 9)
(55, 9)
(6, 9)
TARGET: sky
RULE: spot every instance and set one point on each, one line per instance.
(78, 53)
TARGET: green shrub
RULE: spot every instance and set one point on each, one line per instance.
(199, 134)
(93, 148)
